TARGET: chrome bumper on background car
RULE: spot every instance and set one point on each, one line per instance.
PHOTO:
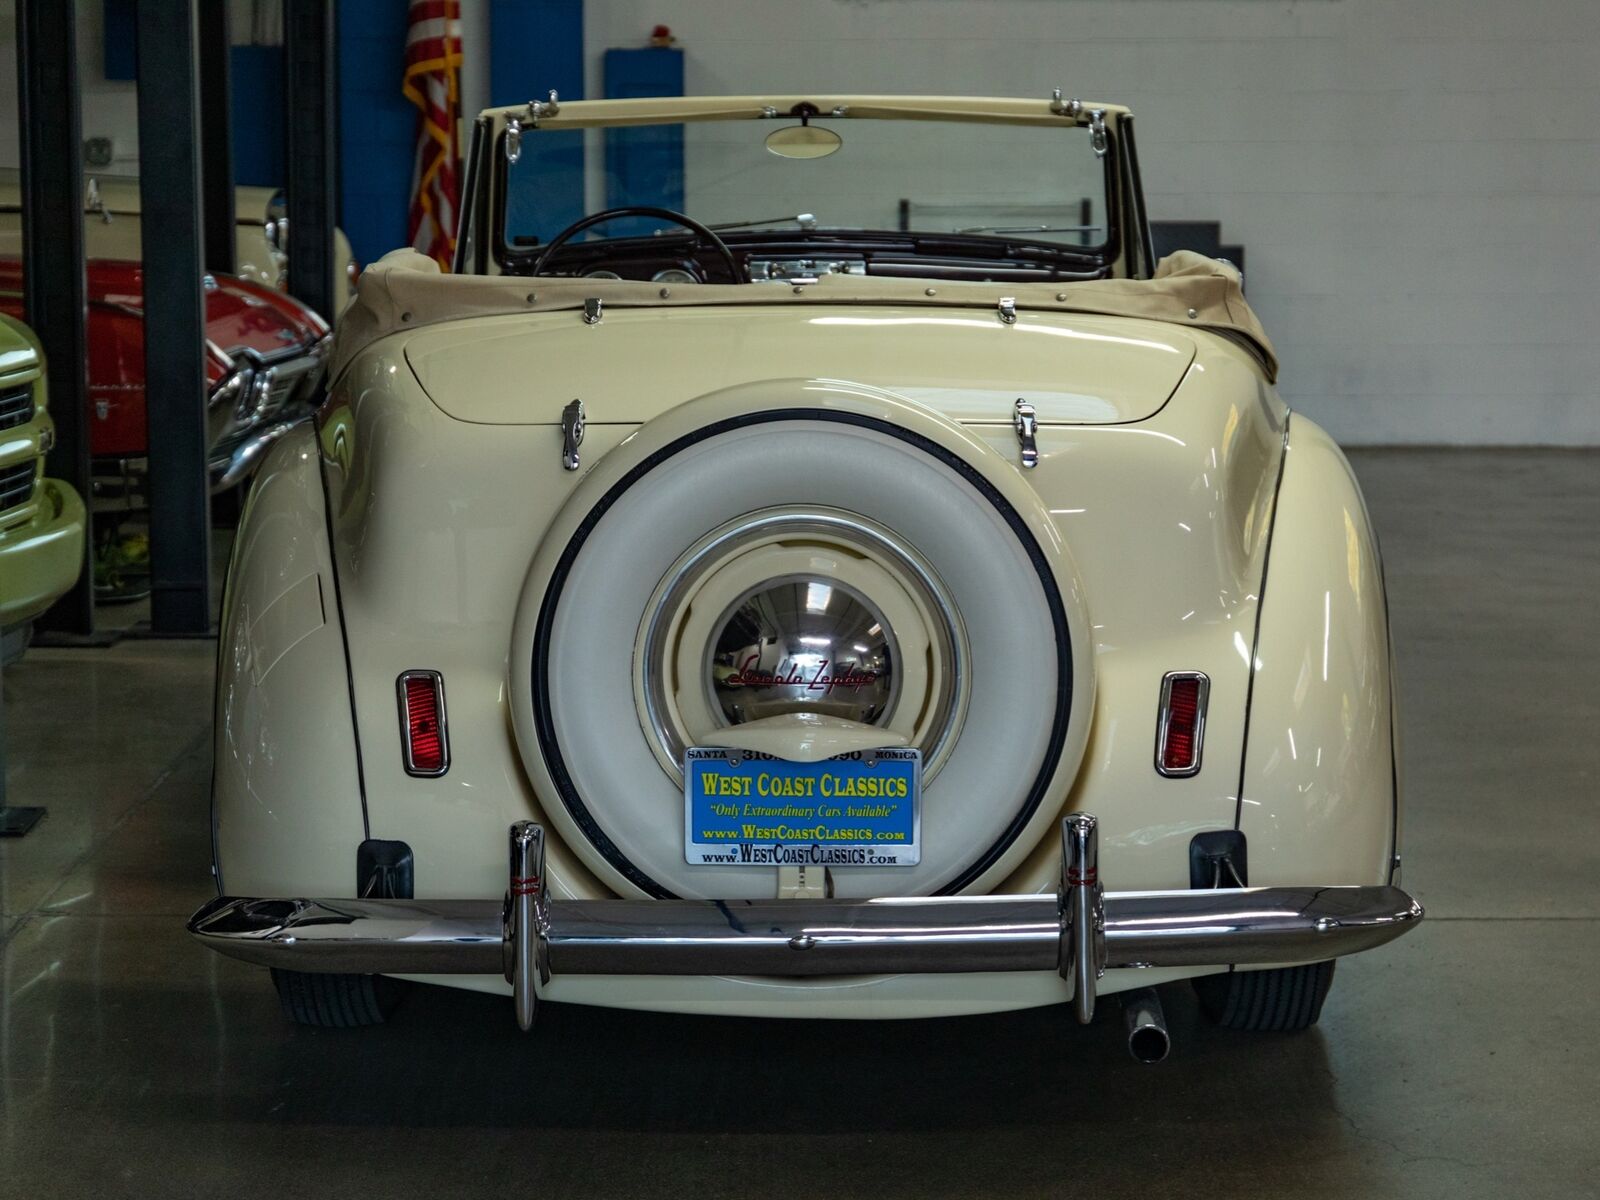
(1080, 932)
(239, 461)
(262, 400)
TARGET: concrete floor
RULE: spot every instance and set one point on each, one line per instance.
(1459, 1062)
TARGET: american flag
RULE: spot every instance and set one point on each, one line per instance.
(433, 84)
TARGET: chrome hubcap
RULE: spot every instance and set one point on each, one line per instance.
(802, 645)
(801, 610)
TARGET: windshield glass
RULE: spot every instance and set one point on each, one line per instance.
(1042, 186)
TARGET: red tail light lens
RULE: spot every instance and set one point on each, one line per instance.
(425, 743)
(1181, 722)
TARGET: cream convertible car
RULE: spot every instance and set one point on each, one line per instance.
(793, 589)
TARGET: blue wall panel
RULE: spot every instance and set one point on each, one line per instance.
(644, 164)
(537, 46)
(255, 84)
(377, 126)
(120, 60)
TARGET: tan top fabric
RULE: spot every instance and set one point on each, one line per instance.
(406, 290)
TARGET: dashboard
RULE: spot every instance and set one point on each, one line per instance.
(673, 260)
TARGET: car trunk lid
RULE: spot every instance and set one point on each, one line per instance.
(637, 362)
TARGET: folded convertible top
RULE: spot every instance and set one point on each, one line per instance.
(406, 290)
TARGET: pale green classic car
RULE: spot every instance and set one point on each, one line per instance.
(41, 520)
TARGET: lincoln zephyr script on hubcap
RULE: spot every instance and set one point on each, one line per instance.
(803, 645)
(807, 601)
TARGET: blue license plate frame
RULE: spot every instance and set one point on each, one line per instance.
(745, 809)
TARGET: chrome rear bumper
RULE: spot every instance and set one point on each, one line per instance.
(1080, 931)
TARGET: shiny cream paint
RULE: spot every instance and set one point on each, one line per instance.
(966, 365)
(436, 520)
(286, 794)
(1319, 803)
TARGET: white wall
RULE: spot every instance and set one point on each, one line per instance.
(1417, 182)
(109, 107)
(475, 62)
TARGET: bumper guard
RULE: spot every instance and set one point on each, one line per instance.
(1080, 931)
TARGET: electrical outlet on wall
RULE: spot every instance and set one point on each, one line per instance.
(99, 151)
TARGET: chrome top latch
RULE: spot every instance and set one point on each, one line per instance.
(513, 139)
(1065, 108)
(1026, 424)
(1097, 132)
(593, 310)
(1008, 310)
(571, 434)
(538, 109)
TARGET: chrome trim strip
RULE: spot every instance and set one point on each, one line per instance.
(533, 937)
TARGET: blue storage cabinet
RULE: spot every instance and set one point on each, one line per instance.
(644, 164)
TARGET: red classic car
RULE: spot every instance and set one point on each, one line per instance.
(264, 366)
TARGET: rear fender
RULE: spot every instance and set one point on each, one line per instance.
(287, 796)
(1319, 801)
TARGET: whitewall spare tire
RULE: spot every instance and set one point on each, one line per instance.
(712, 547)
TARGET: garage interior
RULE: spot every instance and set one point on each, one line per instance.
(1417, 198)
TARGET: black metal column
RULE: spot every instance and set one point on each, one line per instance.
(216, 139)
(174, 324)
(52, 253)
(311, 186)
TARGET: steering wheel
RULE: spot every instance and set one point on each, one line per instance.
(639, 210)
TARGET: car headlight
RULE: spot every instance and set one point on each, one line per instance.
(276, 232)
(275, 222)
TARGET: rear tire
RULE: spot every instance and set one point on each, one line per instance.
(337, 1001)
(1285, 1000)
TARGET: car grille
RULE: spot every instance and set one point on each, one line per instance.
(16, 407)
(16, 484)
(284, 381)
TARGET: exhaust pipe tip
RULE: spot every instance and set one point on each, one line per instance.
(1149, 1044)
(1148, 1040)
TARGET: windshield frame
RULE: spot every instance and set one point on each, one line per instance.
(482, 246)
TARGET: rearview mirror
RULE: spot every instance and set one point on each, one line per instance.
(803, 141)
